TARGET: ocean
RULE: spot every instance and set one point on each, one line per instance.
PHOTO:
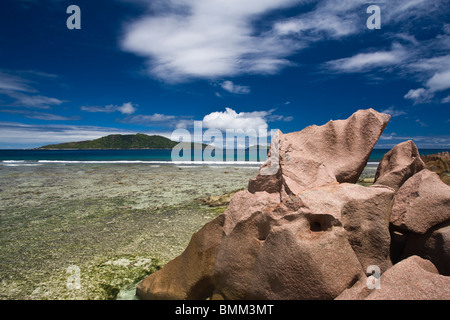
(157, 157)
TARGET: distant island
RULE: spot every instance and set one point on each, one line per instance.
(129, 141)
(118, 141)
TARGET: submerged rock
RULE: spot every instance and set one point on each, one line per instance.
(218, 201)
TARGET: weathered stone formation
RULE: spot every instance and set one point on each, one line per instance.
(398, 165)
(439, 163)
(305, 230)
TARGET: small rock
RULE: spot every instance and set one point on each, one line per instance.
(411, 279)
(433, 245)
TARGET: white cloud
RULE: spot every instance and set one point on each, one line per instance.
(160, 120)
(126, 108)
(22, 94)
(234, 88)
(421, 123)
(437, 71)
(420, 95)
(389, 140)
(325, 22)
(157, 117)
(433, 64)
(35, 101)
(105, 109)
(446, 99)
(393, 112)
(406, 60)
(365, 61)
(440, 81)
(207, 39)
(232, 120)
(13, 83)
(40, 115)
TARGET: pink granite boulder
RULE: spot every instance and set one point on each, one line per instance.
(398, 165)
(421, 203)
(336, 152)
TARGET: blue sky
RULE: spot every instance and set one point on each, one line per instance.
(153, 66)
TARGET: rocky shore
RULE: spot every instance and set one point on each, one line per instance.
(306, 230)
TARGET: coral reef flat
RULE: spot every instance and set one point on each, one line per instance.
(113, 223)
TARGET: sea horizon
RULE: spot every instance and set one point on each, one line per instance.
(145, 156)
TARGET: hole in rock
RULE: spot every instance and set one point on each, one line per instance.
(321, 222)
(315, 226)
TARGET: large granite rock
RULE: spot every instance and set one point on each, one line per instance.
(410, 279)
(304, 230)
(398, 165)
(189, 276)
(421, 203)
(336, 152)
(293, 250)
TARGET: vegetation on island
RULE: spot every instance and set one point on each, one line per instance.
(118, 141)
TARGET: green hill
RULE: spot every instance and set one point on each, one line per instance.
(117, 141)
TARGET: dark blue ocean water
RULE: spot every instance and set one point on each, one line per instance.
(124, 156)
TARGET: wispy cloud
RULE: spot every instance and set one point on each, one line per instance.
(149, 119)
(13, 83)
(33, 101)
(440, 81)
(235, 88)
(169, 122)
(393, 112)
(389, 140)
(363, 62)
(40, 115)
(420, 95)
(208, 39)
(21, 92)
(437, 70)
(126, 108)
(421, 123)
(446, 99)
(425, 61)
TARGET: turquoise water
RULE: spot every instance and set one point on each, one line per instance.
(156, 156)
